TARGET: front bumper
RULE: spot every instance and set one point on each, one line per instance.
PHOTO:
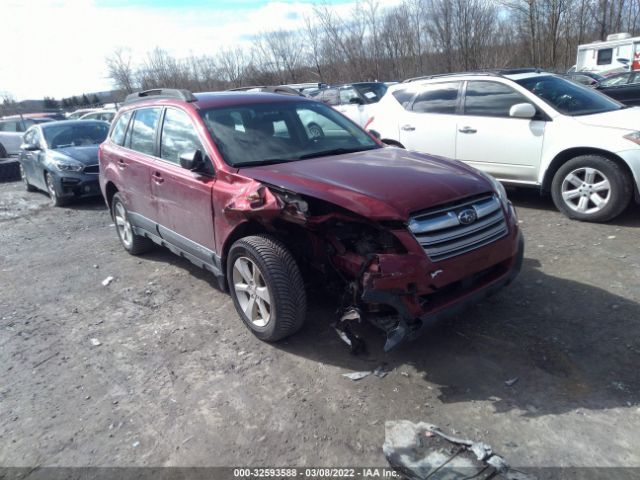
(486, 273)
(70, 185)
(468, 292)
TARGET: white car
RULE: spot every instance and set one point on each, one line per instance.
(105, 115)
(354, 100)
(524, 128)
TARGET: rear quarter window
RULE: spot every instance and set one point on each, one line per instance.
(120, 128)
(404, 97)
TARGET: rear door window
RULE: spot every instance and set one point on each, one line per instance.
(437, 98)
(490, 99)
(143, 130)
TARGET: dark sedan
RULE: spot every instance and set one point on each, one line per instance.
(61, 158)
(624, 87)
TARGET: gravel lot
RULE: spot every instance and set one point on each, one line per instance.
(177, 380)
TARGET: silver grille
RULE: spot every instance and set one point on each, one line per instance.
(442, 235)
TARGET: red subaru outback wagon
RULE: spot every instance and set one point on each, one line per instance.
(265, 190)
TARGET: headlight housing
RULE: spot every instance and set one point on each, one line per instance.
(68, 165)
(498, 188)
(634, 137)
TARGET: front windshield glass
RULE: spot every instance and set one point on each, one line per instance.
(75, 134)
(267, 133)
(567, 97)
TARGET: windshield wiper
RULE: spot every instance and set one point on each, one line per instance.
(266, 161)
(335, 151)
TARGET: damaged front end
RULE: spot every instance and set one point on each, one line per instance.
(385, 272)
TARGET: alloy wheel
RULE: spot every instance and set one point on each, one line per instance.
(51, 189)
(252, 291)
(123, 225)
(586, 190)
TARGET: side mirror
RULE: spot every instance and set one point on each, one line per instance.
(375, 134)
(356, 101)
(192, 160)
(29, 147)
(522, 110)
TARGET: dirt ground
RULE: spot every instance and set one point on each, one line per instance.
(177, 380)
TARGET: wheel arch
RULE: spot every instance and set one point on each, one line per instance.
(289, 234)
(110, 190)
(566, 155)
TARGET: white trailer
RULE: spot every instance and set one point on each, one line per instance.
(619, 53)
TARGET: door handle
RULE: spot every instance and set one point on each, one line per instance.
(408, 128)
(121, 163)
(157, 177)
(467, 130)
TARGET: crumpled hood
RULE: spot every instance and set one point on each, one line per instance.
(381, 184)
(87, 155)
(626, 119)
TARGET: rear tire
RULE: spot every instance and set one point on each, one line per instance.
(133, 243)
(266, 286)
(591, 188)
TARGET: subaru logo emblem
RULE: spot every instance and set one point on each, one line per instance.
(467, 216)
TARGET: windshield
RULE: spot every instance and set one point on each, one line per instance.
(569, 98)
(75, 135)
(266, 133)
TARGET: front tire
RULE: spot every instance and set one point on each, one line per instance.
(591, 188)
(56, 200)
(266, 286)
(133, 243)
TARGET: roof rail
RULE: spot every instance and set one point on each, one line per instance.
(429, 77)
(179, 94)
(497, 72)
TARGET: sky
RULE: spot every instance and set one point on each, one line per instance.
(58, 48)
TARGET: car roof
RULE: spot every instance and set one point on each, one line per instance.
(518, 74)
(207, 100)
(47, 125)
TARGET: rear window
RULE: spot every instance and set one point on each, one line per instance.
(604, 56)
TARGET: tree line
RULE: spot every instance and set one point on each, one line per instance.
(416, 37)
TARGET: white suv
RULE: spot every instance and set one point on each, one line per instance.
(530, 129)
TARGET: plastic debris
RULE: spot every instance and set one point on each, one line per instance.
(107, 281)
(511, 382)
(95, 342)
(422, 451)
(381, 371)
(355, 376)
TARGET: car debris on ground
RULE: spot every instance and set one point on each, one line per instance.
(107, 281)
(422, 450)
